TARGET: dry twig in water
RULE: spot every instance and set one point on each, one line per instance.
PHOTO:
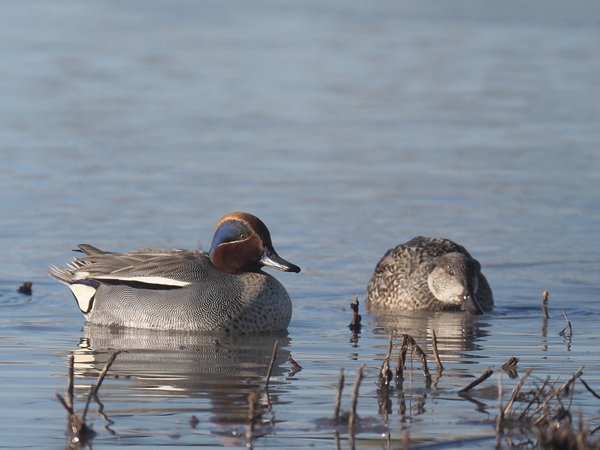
(354, 400)
(355, 325)
(488, 373)
(271, 364)
(385, 374)
(414, 347)
(589, 388)
(568, 324)
(436, 355)
(510, 367)
(551, 421)
(295, 366)
(500, 412)
(338, 397)
(545, 304)
(79, 432)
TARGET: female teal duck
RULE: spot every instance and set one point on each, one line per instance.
(222, 290)
(431, 274)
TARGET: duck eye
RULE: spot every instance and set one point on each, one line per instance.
(242, 236)
(451, 272)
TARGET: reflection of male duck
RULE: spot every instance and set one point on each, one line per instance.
(168, 364)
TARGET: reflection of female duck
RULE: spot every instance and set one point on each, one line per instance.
(432, 274)
(222, 290)
(455, 332)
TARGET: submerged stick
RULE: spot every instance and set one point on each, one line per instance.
(338, 397)
(436, 354)
(488, 373)
(271, 364)
(545, 304)
(354, 401)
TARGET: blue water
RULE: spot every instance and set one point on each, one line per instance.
(348, 128)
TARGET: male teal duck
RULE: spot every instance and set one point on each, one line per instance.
(167, 289)
(429, 274)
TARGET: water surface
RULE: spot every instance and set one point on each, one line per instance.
(348, 129)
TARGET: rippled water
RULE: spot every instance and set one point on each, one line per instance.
(348, 128)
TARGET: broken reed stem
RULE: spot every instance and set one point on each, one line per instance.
(556, 393)
(70, 382)
(64, 403)
(104, 371)
(545, 304)
(94, 387)
(568, 323)
(295, 366)
(271, 364)
(589, 388)
(423, 357)
(252, 401)
(336, 440)
(338, 397)
(354, 401)
(355, 325)
(515, 392)
(438, 361)
(406, 439)
(570, 381)
(414, 347)
(534, 399)
(402, 357)
(501, 413)
(488, 373)
(385, 374)
(87, 403)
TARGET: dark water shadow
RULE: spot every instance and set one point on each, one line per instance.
(228, 371)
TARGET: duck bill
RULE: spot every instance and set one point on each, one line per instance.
(271, 259)
(470, 304)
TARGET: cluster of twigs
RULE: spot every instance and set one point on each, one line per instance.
(80, 434)
(386, 375)
(543, 414)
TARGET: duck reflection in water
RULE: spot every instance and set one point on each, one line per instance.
(158, 365)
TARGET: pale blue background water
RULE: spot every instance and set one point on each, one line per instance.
(348, 128)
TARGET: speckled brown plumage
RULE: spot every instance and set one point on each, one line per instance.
(401, 277)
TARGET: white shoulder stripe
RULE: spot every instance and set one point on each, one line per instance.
(148, 280)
